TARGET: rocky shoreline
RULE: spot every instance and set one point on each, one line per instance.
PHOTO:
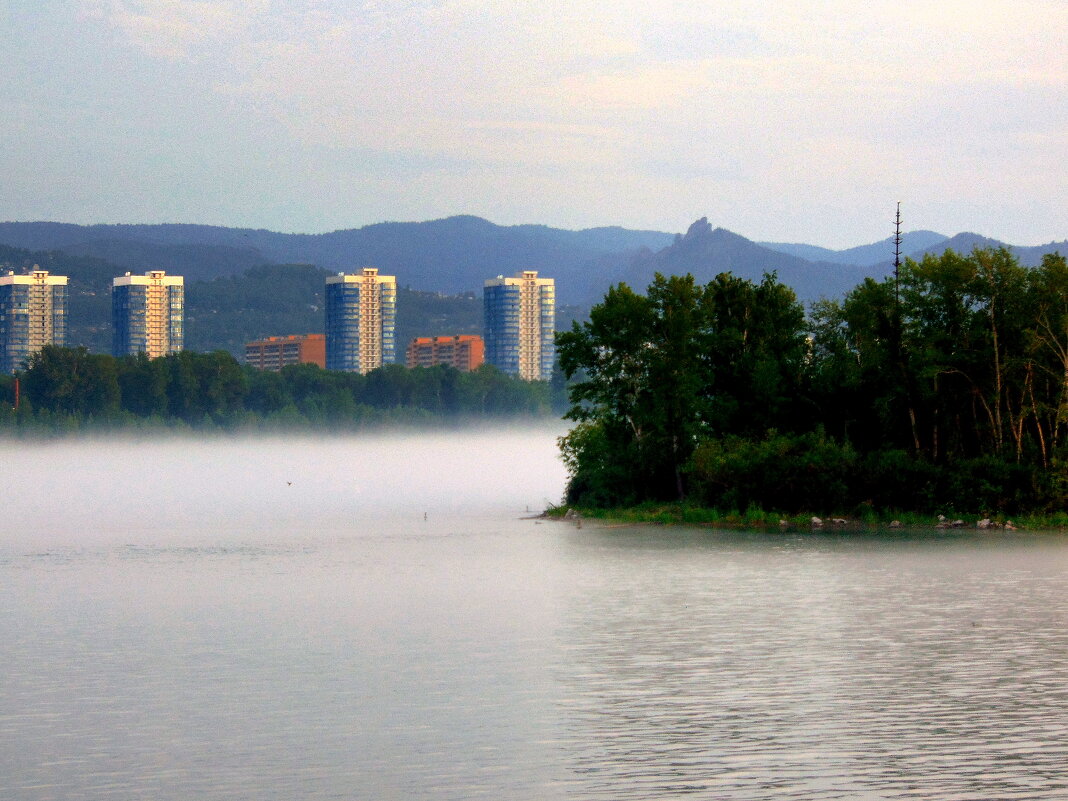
(801, 523)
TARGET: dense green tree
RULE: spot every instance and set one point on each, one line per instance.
(1047, 347)
(66, 386)
(754, 357)
(72, 381)
(640, 394)
(946, 363)
(804, 472)
(435, 389)
(268, 392)
(183, 389)
(859, 377)
(659, 371)
(963, 319)
(143, 385)
(945, 387)
(223, 384)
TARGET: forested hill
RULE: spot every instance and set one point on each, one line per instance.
(451, 256)
(224, 313)
(456, 255)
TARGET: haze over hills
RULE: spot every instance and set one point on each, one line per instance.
(451, 255)
(706, 252)
(456, 254)
(862, 255)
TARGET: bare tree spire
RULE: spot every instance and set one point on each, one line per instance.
(897, 250)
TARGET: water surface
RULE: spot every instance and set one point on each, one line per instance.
(375, 618)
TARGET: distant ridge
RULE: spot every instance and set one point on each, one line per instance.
(456, 254)
(967, 242)
(706, 252)
(862, 255)
(194, 261)
(451, 255)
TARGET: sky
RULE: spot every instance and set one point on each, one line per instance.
(794, 121)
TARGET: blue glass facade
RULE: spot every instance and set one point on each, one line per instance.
(33, 313)
(547, 315)
(501, 326)
(127, 320)
(361, 317)
(343, 327)
(176, 317)
(388, 309)
(137, 327)
(519, 325)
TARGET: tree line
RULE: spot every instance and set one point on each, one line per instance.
(943, 388)
(71, 388)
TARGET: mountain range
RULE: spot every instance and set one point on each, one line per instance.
(456, 254)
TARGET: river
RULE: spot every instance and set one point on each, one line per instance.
(380, 617)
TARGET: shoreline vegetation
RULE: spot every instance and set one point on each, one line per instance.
(681, 514)
(70, 391)
(942, 390)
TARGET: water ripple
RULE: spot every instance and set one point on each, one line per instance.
(723, 671)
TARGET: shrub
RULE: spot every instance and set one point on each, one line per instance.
(806, 472)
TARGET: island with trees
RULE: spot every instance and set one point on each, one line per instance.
(941, 390)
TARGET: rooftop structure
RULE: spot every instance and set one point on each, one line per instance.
(520, 324)
(361, 311)
(33, 313)
(147, 314)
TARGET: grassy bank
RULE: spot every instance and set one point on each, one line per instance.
(760, 519)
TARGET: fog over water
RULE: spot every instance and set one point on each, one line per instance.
(86, 491)
(377, 617)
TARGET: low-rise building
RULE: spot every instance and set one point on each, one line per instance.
(274, 353)
(465, 352)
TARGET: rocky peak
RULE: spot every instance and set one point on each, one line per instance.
(700, 228)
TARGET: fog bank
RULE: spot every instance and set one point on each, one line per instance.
(109, 489)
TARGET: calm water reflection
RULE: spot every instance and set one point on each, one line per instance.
(213, 633)
(819, 667)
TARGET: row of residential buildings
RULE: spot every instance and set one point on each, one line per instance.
(147, 313)
(360, 321)
(465, 352)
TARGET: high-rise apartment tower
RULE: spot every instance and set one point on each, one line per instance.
(520, 323)
(147, 313)
(33, 313)
(361, 312)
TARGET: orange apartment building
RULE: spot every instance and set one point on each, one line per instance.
(465, 352)
(274, 353)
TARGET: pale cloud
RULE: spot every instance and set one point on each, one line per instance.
(716, 99)
(559, 57)
(174, 29)
(653, 88)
